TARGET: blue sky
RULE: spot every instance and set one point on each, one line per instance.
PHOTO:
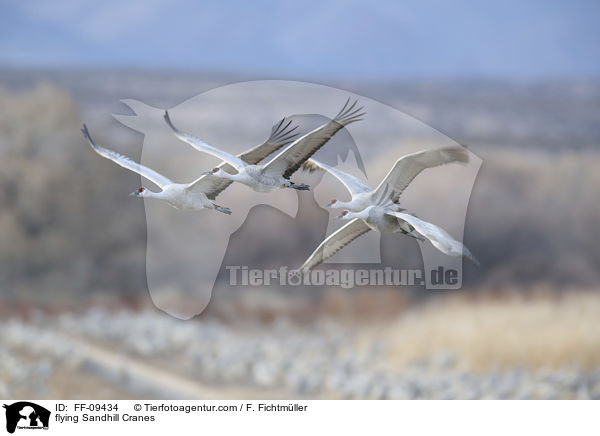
(345, 39)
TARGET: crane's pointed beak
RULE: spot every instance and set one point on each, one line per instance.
(207, 173)
(340, 216)
(331, 203)
(133, 194)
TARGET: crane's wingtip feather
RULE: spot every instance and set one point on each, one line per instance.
(474, 260)
(86, 134)
(458, 154)
(167, 119)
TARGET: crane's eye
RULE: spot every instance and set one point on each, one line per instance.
(215, 170)
(344, 213)
(332, 201)
(140, 189)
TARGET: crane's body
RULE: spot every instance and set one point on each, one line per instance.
(257, 179)
(397, 179)
(181, 196)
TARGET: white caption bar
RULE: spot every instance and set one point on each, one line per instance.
(300, 417)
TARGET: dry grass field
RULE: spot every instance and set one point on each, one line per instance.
(537, 332)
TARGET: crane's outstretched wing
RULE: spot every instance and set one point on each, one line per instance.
(408, 167)
(282, 134)
(202, 146)
(148, 173)
(335, 242)
(438, 237)
(352, 184)
(286, 162)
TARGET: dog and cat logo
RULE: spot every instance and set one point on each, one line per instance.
(26, 415)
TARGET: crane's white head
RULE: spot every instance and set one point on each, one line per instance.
(216, 171)
(139, 192)
(345, 215)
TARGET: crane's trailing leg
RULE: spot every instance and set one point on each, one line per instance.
(300, 187)
(415, 235)
(222, 209)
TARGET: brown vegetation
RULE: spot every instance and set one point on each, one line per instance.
(538, 332)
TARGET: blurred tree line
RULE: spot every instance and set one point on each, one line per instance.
(55, 197)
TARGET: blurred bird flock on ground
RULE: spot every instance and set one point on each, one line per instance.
(448, 349)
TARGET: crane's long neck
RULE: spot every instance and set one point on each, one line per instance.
(225, 175)
(364, 214)
(149, 194)
(344, 205)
